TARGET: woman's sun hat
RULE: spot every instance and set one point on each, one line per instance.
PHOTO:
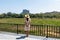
(27, 16)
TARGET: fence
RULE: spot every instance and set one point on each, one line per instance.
(38, 30)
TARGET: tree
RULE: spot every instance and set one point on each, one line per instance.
(9, 14)
(21, 16)
(3, 15)
(14, 15)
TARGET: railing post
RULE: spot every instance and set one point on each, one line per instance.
(59, 31)
(47, 32)
(17, 28)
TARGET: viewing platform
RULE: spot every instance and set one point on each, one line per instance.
(13, 36)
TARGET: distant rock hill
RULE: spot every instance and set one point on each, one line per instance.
(25, 11)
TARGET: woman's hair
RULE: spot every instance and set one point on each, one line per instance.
(27, 19)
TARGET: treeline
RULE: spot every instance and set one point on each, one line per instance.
(53, 14)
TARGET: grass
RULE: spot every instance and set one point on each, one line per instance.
(35, 21)
(33, 31)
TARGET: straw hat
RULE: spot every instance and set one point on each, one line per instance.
(27, 16)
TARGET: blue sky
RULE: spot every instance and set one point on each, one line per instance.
(34, 6)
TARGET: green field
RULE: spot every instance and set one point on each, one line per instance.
(35, 21)
(36, 29)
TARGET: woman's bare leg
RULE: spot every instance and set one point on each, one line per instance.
(27, 33)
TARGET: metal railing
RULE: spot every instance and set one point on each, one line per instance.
(38, 30)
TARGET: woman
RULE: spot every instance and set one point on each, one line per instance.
(27, 24)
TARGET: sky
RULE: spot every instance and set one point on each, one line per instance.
(34, 6)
